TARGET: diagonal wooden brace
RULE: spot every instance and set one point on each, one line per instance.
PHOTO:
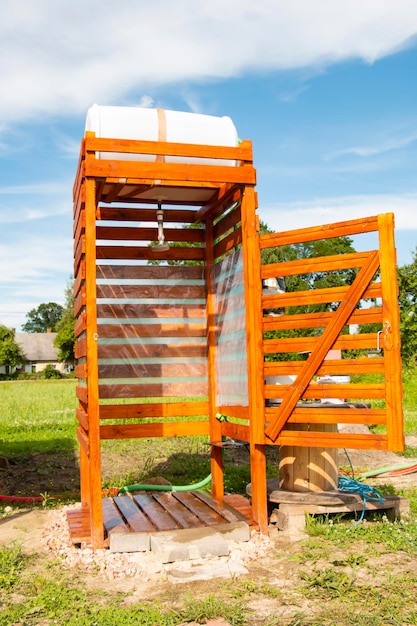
(331, 333)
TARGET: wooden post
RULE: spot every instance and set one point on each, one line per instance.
(253, 296)
(96, 512)
(216, 453)
(391, 332)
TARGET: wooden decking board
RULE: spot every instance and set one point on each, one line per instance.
(112, 518)
(183, 517)
(207, 516)
(153, 512)
(136, 520)
(159, 517)
(222, 508)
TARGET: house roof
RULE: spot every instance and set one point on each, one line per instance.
(38, 346)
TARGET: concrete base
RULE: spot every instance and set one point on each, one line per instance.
(184, 544)
(191, 572)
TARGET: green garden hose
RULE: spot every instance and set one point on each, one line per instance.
(139, 487)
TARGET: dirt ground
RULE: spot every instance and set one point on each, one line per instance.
(140, 575)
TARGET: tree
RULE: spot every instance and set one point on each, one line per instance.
(407, 300)
(308, 281)
(65, 339)
(11, 353)
(46, 316)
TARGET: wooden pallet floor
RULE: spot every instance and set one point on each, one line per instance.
(152, 512)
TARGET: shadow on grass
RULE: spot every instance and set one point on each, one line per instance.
(53, 471)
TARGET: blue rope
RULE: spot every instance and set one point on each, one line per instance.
(348, 485)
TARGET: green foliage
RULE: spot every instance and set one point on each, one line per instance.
(306, 282)
(65, 339)
(46, 315)
(12, 563)
(407, 283)
(11, 353)
(51, 372)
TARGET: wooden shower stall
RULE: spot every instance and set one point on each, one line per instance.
(172, 320)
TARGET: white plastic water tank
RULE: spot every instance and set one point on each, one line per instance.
(115, 122)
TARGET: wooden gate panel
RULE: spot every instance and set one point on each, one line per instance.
(375, 282)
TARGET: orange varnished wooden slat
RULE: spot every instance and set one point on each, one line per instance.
(160, 429)
(320, 320)
(228, 243)
(145, 390)
(120, 233)
(162, 311)
(230, 221)
(313, 391)
(124, 214)
(235, 431)
(80, 325)
(150, 291)
(315, 233)
(80, 348)
(161, 272)
(308, 344)
(79, 525)
(331, 414)
(207, 516)
(82, 418)
(241, 412)
(83, 439)
(331, 440)
(159, 517)
(82, 393)
(342, 367)
(81, 370)
(242, 152)
(145, 253)
(80, 300)
(162, 350)
(137, 522)
(167, 409)
(109, 331)
(170, 171)
(138, 370)
(80, 227)
(316, 296)
(182, 516)
(227, 195)
(329, 263)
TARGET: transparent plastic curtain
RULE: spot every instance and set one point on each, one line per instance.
(231, 366)
(152, 331)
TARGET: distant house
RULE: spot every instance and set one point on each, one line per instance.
(39, 351)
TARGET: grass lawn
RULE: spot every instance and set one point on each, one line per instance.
(342, 574)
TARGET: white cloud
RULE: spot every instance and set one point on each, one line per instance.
(60, 57)
(384, 145)
(290, 215)
(34, 270)
(34, 189)
(146, 101)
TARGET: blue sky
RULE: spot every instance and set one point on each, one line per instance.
(326, 91)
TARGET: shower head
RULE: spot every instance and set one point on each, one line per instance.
(161, 246)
